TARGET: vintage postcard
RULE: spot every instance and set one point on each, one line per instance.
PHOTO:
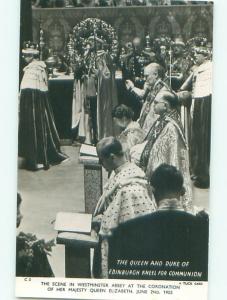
(114, 149)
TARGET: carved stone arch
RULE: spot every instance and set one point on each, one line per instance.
(164, 25)
(56, 30)
(176, 30)
(128, 28)
(35, 30)
(208, 16)
(152, 25)
(79, 19)
(199, 24)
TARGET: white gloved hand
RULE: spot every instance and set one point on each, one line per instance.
(129, 84)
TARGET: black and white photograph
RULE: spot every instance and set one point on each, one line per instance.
(114, 143)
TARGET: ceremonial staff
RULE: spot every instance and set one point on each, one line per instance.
(41, 41)
(95, 45)
(170, 66)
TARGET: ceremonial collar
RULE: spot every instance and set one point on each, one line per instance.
(119, 169)
(170, 204)
(36, 64)
(133, 125)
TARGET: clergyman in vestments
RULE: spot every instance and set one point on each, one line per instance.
(94, 96)
(106, 95)
(154, 74)
(165, 143)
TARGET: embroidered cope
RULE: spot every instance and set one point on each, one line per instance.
(125, 197)
(165, 144)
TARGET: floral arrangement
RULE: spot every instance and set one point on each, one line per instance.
(32, 255)
(90, 28)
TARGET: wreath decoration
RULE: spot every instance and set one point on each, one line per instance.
(88, 40)
(94, 30)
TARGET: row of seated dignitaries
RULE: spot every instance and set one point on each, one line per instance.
(128, 194)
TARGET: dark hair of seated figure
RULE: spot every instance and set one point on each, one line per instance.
(165, 235)
(109, 145)
(167, 182)
(171, 98)
(121, 111)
